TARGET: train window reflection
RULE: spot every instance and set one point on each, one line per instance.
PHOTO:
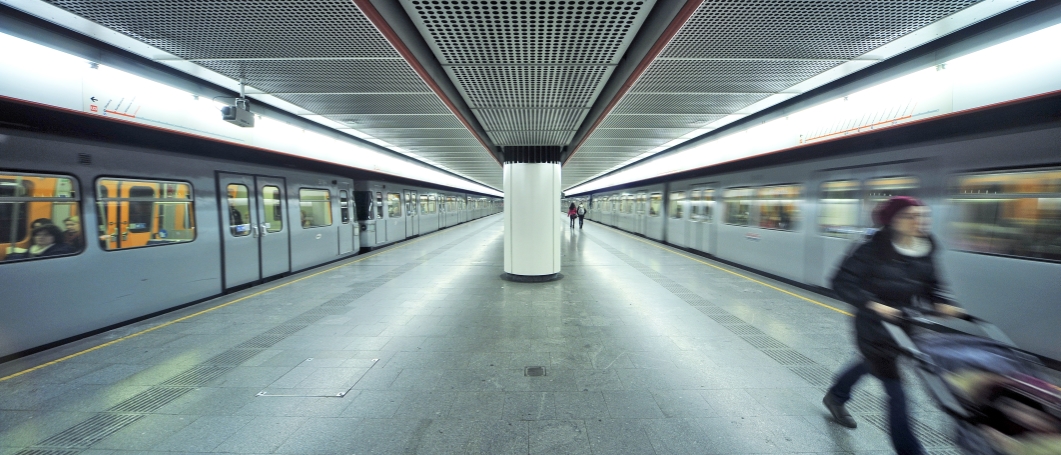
(839, 208)
(138, 213)
(239, 210)
(738, 205)
(881, 189)
(779, 207)
(39, 217)
(655, 203)
(677, 204)
(379, 206)
(315, 207)
(272, 203)
(703, 204)
(1010, 213)
(394, 205)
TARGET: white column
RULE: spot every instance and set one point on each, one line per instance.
(532, 219)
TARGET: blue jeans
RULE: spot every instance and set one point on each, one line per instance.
(903, 438)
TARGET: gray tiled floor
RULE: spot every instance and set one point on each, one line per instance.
(421, 348)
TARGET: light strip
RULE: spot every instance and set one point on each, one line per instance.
(40, 74)
(1022, 67)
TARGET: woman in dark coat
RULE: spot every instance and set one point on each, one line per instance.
(893, 270)
(571, 213)
(45, 241)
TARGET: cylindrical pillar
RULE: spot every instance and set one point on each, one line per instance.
(532, 215)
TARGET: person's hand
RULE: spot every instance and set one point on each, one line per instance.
(950, 310)
(885, 311)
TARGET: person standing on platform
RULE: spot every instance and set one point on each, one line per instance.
(572, 213)
(893, 270)
(581, 212)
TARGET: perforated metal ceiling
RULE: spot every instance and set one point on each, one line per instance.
(529, 70)
(542, 61)
(322, 55)
(731, 54)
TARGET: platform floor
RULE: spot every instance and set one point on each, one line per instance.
(422, 348)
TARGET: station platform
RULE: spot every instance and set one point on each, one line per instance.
(422, 348)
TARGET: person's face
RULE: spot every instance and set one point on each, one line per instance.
(71, 226)
(43, 238)
(912, 221)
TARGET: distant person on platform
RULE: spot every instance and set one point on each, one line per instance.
(572, 213)
(581, 212)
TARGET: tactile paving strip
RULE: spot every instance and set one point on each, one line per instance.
(90, 431)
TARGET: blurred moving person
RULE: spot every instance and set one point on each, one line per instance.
(893, 270)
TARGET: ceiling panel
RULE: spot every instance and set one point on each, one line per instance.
(687, 103)
(323, 76)
(388, 121)
(531, 137)
(737, 76)
(390, 133)
(658, 120)
(486, 87)
(331, 104)
(530, 119)
(827, 30)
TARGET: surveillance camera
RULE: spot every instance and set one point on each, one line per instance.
(238, 114)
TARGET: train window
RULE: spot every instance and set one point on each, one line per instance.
(423, 204)
(779, 207)
(431, 207)
(273, 203)
(315, 207)
(344, 207)
(394, 205)
(738, 205)
(677, 204)
(882, 189)
(838, 209)
(655, 204)
(239, 210)
(39, 217)
(138, 213)
(379, 206)
(1008, 213)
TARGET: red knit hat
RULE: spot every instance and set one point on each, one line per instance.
(885, 211)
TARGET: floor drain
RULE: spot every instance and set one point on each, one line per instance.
(534, 371)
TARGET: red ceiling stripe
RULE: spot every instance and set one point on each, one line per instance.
(661, 43)
(373, 16)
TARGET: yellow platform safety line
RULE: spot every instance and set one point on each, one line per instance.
(184, 318)
(730, 271)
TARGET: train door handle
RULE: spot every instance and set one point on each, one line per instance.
(254, 231)
(125, 235)
(264, 230)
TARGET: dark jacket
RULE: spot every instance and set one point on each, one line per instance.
(57, 249)
(876, 272)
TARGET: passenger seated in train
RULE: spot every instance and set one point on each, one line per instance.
(40, 222)
(72, 236)
(45, 241)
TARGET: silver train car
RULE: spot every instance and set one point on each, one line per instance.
(390, 212)
(94, 235)
(996, 205)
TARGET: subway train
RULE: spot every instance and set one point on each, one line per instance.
(995, 200)
(94, 235)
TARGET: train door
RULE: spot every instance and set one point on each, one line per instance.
(346, 224)
(641, 213)
(842, 216)
(256, 242)
(412, 220)
(381, 223)
(702, 234)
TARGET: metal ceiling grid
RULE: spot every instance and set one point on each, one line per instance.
(530, 119)
(528, 32)
(686, 103)
(240, 29)
(531, 137)
(732, 54)
(728, 76)
(529, 70)
(369, 103)
(642, 133)
(658, 120)
(821, 30)
(324, 56)
(529, 86)
(323, 76)
(414, 142)
(418, 133)
(370, 122)
(640, 142)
